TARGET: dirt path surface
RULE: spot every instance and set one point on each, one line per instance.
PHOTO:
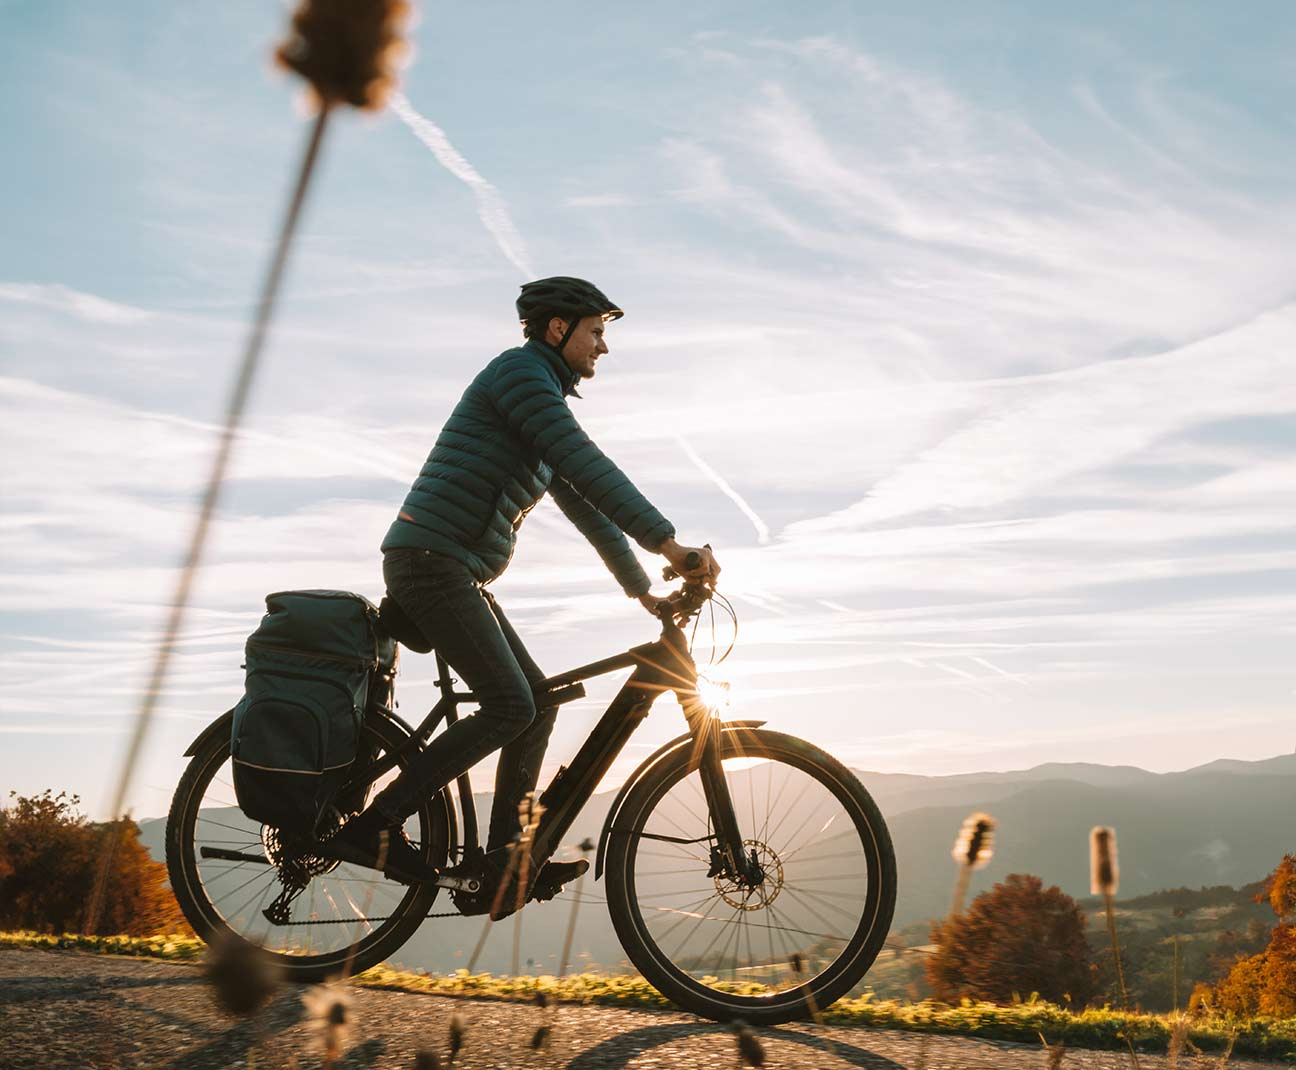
(63, 1009)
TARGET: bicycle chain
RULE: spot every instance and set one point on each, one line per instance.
(388, 917)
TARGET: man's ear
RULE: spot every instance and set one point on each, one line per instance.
(555, 333)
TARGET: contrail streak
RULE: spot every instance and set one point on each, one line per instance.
(762, 529)
(995, 668)
(490, 205)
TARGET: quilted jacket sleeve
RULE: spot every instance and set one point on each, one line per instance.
(604, 536)
(531, 403)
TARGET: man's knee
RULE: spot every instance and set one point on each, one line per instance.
(513, 713)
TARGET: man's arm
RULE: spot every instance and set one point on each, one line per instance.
(604, 536)
(537, 413)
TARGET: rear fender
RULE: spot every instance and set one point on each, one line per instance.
(224, 724)
(665, 750)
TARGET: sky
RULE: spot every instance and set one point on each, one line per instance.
(965, 334)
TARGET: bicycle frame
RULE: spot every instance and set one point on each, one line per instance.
(661, 666)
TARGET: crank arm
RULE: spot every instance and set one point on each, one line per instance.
(457, 884)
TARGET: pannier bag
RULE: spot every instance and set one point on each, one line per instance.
(311, 665)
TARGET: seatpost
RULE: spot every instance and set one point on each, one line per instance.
(444, 680)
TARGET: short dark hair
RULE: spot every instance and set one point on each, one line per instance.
(538, 324)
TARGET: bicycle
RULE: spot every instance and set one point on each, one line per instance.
(709, 887)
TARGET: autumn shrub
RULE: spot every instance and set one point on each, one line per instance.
(1015, 940)
(49, 861)
(1265, 983)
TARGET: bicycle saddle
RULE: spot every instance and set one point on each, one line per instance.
(398, 624)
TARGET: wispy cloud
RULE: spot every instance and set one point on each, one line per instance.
(491, 208)
(82, 305)
(762, 529)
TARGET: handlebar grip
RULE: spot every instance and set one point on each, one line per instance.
(691, 561)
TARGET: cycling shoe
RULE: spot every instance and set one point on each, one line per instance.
(368, 844)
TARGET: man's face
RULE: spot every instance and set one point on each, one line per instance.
(584, 347)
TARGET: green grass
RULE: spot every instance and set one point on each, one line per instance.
(1270, 1038)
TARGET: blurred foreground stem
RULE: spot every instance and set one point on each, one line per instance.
(180, 600)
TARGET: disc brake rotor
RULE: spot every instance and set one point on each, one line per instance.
(756, 896)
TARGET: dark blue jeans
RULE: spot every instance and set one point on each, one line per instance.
(467, 627)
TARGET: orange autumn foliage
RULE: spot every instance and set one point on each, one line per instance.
(49, 858)
(1265, 984)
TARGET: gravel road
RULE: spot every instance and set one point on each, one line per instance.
(64, 1009)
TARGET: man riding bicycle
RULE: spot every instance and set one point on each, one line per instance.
(511, 438)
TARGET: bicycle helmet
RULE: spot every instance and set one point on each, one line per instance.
(566, 297)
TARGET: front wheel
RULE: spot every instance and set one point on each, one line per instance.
(770, 950)
(319, 918)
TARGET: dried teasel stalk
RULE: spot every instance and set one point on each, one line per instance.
(243, 976)
(456, 1029)
(328, 1014)
(750, 1050)
(348, 50)
(1104, 870)
(973, 848)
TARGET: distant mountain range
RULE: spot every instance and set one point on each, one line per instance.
(1228, 822)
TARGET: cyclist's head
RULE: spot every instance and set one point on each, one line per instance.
(565, 299)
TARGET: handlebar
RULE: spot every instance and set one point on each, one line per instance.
(691, 597)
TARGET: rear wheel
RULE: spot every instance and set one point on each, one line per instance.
(769, 951)
(319, 918)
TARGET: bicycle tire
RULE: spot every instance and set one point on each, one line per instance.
(801, 998)
(436, 824)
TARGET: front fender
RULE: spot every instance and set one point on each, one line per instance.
(656, 756)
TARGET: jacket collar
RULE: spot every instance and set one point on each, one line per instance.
(566, 377)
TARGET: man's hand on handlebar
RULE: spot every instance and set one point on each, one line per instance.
(691, 562)
(681, 603)
(651, 601)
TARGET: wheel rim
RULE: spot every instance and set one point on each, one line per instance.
(341, 908)
(796, 931)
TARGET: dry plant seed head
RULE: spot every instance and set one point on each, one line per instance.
(586, 845)
(457, 1030)
(328, 1015)
(243, 976)
(427, 1059)
(750, 1050)
(348, 50)
(1104, 871)
(1178, 1040)
(797, 962)
(542, 1000)
(1053, 1053)
(540, 1038)
(974, 846)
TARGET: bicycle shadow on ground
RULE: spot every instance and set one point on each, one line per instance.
(620, 1050)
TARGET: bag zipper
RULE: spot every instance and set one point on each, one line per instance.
(371, 665)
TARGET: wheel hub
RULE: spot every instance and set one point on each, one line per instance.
(742, 895)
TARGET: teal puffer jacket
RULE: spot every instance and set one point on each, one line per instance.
(512, 437)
